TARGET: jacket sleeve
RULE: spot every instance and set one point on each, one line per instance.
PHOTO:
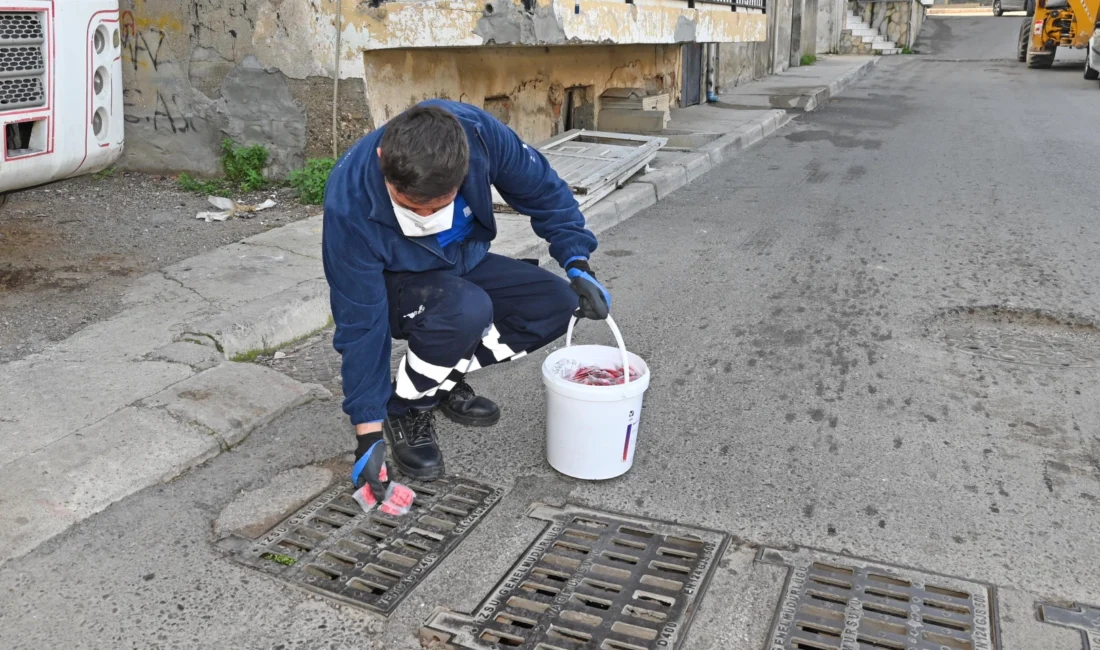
(530, 185)
(357, 292)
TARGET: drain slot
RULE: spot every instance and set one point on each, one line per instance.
(571, 547)
(672, 568)
(559, 632)
(661, 583)
(625, 543)
(580, 534)
(594, 603)
(516, 621)
(654, 598)
(602, 586)
(645, 614)
(581, 618)
(620, 558)
(634, 630)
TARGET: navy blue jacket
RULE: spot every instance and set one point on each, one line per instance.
(362, 239)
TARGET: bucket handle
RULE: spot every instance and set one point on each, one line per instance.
(618, 340)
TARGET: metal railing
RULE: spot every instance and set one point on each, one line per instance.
(760, 5)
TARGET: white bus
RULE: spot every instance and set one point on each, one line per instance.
(60, 89)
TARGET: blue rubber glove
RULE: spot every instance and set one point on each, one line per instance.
(370, 465)
(595, 302)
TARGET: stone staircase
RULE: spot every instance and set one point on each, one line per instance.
(860, 38)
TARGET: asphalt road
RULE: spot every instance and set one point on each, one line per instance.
(845, 356)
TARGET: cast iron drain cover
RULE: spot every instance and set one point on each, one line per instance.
(314, 361)
(332, 547)
(837, 602)
(592, 580)
(1079, 617)
(1029, 337)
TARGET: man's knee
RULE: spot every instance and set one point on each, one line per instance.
(463, 310)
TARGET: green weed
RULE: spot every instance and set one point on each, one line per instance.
(907, 50)
(808, 59)
(310, 180)
(285, 560)
(189, 183)
(251, 355)
(244, 166)
(104, 174)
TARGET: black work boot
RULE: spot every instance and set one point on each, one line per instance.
(413, 446)
(463, 406)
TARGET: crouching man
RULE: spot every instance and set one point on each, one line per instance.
(407, 229)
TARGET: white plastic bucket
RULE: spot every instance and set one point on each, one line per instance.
(592, 431)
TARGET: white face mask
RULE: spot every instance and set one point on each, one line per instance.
(414, 225)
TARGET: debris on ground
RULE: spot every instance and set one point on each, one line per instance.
(228, 208)
(69, 250)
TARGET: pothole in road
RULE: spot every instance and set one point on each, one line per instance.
(1025, 336)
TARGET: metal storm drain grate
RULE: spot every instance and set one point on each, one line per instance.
(314, 362)
(332, 547)
(836, 602)
(591, 580)
(1084, 618)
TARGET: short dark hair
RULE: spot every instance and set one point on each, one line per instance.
(425, 154)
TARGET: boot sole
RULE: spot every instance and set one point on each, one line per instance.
(429, 474)
(467, 420)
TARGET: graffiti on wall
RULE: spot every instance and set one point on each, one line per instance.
(152, 71)
(167, 115)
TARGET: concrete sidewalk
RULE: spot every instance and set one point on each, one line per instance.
(161, 387)
(799, 89)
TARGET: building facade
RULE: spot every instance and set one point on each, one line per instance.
(302, 75)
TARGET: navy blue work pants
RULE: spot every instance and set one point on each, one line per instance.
(499, 311)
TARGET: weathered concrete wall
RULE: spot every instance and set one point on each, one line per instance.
(809, 27)
(457, 23)
(892, 19)
(260, 71)
(780, 14)
(526, 85)
(740, 63)
(195, 73)
(830, 23)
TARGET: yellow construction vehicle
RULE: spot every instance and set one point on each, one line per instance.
(1056, 23)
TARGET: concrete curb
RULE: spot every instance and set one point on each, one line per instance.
(264, 325)
(838, 86)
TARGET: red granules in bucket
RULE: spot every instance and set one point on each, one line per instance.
(597, 376)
